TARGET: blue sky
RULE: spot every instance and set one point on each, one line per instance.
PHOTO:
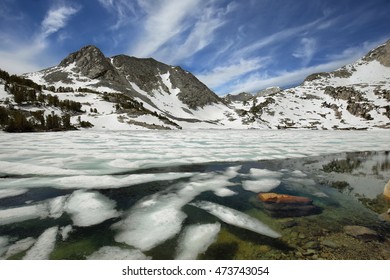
(232, 46)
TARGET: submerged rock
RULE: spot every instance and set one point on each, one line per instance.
(386, 190)
(284, 198)
(283, 205)
(362, 233)
(385, 216)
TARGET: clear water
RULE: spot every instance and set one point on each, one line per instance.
(185, 194)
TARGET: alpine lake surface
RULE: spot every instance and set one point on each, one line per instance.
(194, 194)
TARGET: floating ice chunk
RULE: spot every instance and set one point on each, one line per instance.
(94, 182)
(298, 173)
(224, 192)
(49, 208)
(147, 227)
(56, 206)
(236, 218)
(256, 173)
(262, 185)
(116, 253)
(24, 213)
(44, 245)
(65, 231)
(196, 239)
(19, 246)
(320, 194)
(210, 182)
(158, 218)
(3, 244)
(90, 208)
(19, 168)
(11, 192)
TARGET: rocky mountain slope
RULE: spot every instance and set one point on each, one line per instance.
(123, 92)
(165, 92)
(356, 96)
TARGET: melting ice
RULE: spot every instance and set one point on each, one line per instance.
(93, 177)
(236, 218)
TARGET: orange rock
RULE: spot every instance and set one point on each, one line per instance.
(283, 198)
(386, 190)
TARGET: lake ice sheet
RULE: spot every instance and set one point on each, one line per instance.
(142, 186)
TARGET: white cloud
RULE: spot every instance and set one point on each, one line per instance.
(222, 74)
(123, 10)
(276, 37)
(201, 33)
(261, 80)
(20, 56)
(164, 20)
(56, 19)
(306, 50)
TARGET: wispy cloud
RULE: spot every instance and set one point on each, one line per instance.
(259, 80)
(56, 19)
(306, 50)
(123, 10)
(20, 55)
(277, 38)
(164, 20)
(221, 74)
(199, 34)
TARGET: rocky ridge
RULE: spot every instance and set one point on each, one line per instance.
(123, 92)
(355, 96)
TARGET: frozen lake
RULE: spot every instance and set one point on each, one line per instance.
(176, 194)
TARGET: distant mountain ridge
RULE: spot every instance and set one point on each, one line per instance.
(124, 92)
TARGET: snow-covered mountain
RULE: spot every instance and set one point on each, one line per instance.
(356, 96)
(170, 96)
(122, 92)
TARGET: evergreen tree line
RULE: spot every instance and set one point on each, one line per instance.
(26, 92)
(14, 79)
(26, 95)
(24, 121)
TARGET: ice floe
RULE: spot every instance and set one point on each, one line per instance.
(262, 185)
(11, 192)
(44, 245)
(236, 218)
(90, 208)
(24, 213)
(263, 180)
(92, 181)
(158, 217)
(151, 222)
(65, 231)
(116, 253)
(196, 239)
(19, 246)
(256, 173)
(3, 244)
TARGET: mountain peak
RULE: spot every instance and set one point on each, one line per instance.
(89, 61)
